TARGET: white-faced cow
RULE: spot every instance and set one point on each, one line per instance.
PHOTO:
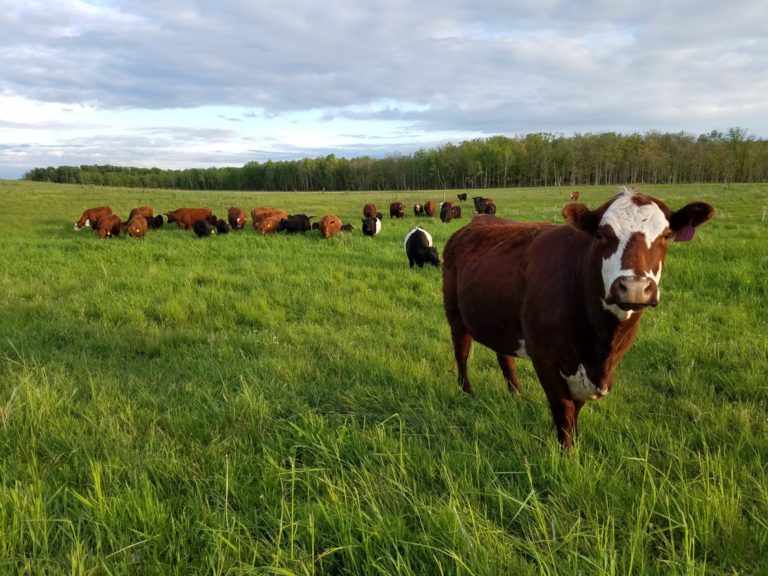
(567, 297)
(91, 216)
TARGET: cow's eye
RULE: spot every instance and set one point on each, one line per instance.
(668, 234)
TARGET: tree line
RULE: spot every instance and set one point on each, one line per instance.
(537, 159)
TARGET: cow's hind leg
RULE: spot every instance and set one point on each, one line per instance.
(462, 344)
(507, 365)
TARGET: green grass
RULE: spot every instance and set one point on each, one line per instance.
(287, 405)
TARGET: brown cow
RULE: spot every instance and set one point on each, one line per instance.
(269, 224)
(136, 227)
(369, 210)
(237, 217)
(567, 297)
(574, 195)
(185, 218)
(262, 212)
(430, 208)
(91, 216)
(145, 211)
(449, 211)
(329, 225)
(396, 210)
(108, 226)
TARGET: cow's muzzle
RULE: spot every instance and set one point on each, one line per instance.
(633, 292)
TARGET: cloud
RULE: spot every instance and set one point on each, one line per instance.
(422, 71)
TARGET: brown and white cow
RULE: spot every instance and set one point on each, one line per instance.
(91, 216)
(574, 195)
(237, 217)
(108, 226)
(567, 297)
(185, 218)
(329, 225)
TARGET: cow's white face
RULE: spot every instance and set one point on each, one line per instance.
(639, 229)
(629, 235)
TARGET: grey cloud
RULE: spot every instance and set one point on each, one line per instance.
(480, 66)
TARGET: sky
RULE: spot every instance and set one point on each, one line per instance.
(187, 83)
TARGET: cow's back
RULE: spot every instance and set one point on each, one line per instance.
(486, 278)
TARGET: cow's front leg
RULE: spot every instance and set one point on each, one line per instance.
(565, 410)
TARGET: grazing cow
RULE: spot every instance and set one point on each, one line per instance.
(294, 223)
(369, 210)
(419, 249)
(237, 217)
(574, 195)
(449, 211)
(221, 225)
(137, 226)
(371, 226)
(268, 225)
(156, 222)
(484, 205)
(108, 226)
(185, 218)
(567, 297)
(462, 197)
(145, 211)
(91, 216)
(396, 210)
(329, 225)
(430, 208)
(418, 209)
(203, 228)
(263, 212)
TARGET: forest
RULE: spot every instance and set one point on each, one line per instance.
(537, 159)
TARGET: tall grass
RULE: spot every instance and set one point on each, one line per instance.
(286, 405)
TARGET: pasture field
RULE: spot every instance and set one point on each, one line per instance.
(287, 405)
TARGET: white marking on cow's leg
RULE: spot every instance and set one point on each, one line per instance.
(521, 352)
(581, 387)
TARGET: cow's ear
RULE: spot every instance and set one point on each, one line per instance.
(581, 217)
(684, 221)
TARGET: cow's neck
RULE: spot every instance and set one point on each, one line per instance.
(609, 337)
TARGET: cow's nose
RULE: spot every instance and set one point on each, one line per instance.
(634, 291)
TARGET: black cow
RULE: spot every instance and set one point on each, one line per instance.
(295, 223)
(155, 222)
(222, 226)
(202, 228)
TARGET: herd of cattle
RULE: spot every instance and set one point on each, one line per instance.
(266, 220)
(567, 297)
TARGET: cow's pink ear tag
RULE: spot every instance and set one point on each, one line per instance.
(685, 233)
